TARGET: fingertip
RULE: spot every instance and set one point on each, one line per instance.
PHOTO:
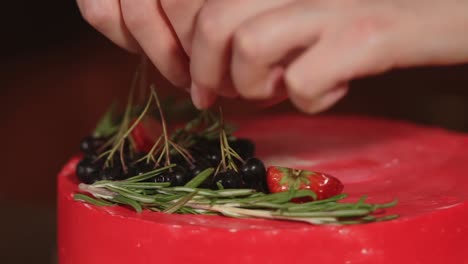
(202, 98)
(321, 102)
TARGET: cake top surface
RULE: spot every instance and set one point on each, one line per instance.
(424, 168)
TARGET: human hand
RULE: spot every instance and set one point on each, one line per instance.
(311, 49)
(144, 26)
(197, 22)
(141, 26)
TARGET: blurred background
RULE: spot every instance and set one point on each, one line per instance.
(58, 76)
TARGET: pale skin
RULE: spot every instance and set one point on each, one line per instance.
(307, 50)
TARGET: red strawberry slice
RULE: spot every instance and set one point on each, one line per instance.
(145, 134)
(281, 179)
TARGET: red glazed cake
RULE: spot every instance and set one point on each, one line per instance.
(425, 168)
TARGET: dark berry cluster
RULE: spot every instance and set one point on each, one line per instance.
(92, 168)
(250, 172)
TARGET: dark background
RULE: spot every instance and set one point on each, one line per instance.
(58, 75)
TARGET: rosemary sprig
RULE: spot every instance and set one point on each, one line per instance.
(239, 203)
(227, 153)
(164, 145)
(122, 131)
(205, 125)
(123, 134)
(199, 179)
(180, 203)
(93, 201)
(147, 175)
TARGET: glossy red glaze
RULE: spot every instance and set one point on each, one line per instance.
(425, 168)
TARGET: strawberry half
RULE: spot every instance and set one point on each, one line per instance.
(281, 179)
(145, 134)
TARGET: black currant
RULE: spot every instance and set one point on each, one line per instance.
(244, 147)
(206, 151)
(254, 174)
(214, 158)
(131, 171)
(229, 179)
(91, 145)
(180, 160)
(209, 183)
(253, 170)
(260, 186)
(177, 176)
(114, 173)
(197, 168)
(87, 171)
(142, 167)
(162, 178)
(177, 159)
(202, 144)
